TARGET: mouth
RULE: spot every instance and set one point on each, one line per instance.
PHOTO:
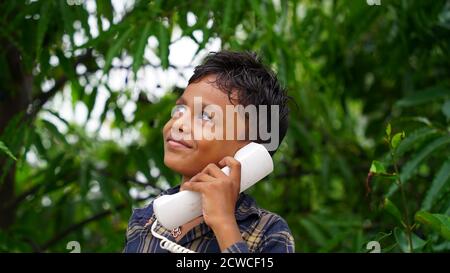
(178, 144)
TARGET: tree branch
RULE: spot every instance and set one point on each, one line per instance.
(59, 236)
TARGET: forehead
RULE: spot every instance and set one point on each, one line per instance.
(208, 91)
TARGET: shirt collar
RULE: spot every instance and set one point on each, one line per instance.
(246, 207)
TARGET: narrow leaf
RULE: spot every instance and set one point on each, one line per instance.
(442, 177)
(412, 165)
(402, 241)
(437, 222)
(5, 149)
(388, 130)
(42, 25)
(446, 109)
(396, 139)
(139, 51)
(392, 209)
(115, 49)
(429, 94)
(164, 39)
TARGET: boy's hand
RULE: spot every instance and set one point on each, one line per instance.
(219, 192)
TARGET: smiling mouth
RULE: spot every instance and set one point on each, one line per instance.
(178, 144)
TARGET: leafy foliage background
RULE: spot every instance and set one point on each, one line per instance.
(343, 176)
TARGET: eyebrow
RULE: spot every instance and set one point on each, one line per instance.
(182, 100)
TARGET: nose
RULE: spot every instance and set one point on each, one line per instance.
(183, 123)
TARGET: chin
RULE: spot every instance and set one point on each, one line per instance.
(170, 162)
(177, 165)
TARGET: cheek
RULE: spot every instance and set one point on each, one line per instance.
(167, 127)
(211, 151)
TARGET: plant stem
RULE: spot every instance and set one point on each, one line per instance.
(405, 207)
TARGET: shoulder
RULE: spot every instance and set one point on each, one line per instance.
(141, 215)
(273, 222)
(267, 220)
(272, 225)
(263, 227)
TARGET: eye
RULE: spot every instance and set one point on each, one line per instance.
(205, 116)
(178, 110)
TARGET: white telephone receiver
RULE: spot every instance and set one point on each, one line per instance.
(174, 210)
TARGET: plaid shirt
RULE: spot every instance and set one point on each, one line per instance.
(262, 231)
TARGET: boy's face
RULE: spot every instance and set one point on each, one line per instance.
(188, 155)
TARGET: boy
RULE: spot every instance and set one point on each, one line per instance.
(231, 222)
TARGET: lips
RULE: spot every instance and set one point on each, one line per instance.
(177, 144)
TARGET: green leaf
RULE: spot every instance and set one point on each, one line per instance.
(83, 16)
(226, 16)
(402, 241)
(377, 167)
(442, 177)
(42, 27)
(141, 160)
(445, 225)
(313, 231)
(91, 101)
(67, 17)
(259, 10)
(412, 165)
(344, 167)
(56, 115)
(5, 149)
(429, 94)
(446, 109)
(388, 131)
(106, 108)
(414, 138)
(54, 131)
(69, 69)
(437, 222)
(115, 49)
(164, 40)
(333, 242)
(104, 7)
(396, 139)
(392, 209)
(84, 177)
(106, 190)
(119, 118)
(139, 51)
(37, 142)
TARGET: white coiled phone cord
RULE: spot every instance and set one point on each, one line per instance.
(169, 245)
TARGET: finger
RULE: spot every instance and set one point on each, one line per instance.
(213, 170)
(195, 186)
(202, 177)
(235, 167)
(199, 178)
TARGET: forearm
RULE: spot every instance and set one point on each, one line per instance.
(227, 234)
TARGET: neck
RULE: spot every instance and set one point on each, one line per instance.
(185, 178)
